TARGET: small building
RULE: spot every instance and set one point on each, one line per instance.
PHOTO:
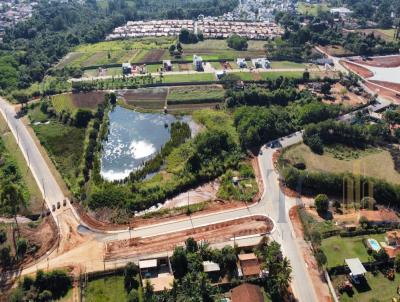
(241, 62)
(246, 293)
(219, 74)
(341, 11)
(392, 238)
(167, 65)
(261, 63)
(126, 68)
(212, 269)
(249, 266)
(381, 217)
(198, 63)
(357, 269)
(158, 271)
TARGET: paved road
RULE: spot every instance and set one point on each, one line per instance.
(193, 72)
(51, 191)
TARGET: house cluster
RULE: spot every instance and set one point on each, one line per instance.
(209, 28)
(158, 271)
(251, 30)
(12, 12)
(257, 10)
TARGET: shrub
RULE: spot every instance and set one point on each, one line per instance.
(237, 42)
(321, 203)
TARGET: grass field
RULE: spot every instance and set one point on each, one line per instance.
(337, 248)
(372, 162)
(267, 75)
(192, 77)
(378, 288)
(35, 201)
(193, 93)
(221, 45)
(311, 9)
(286, 65)
(64, 144)
(107, 289)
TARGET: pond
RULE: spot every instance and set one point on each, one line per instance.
(134, 137)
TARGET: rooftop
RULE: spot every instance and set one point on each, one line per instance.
(150, 263)
(355, 266)
(247, 293)
(210, 266)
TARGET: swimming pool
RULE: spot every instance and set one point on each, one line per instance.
(373, 244)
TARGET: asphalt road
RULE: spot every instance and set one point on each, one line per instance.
(51, 191)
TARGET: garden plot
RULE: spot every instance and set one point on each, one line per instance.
(146, 98)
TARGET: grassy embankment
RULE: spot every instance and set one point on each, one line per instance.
(371, 162)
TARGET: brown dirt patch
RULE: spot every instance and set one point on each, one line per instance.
(361, 71)
(185, 67)
(349, 98)
(88, 99)
(389, 85)
(388, 61)
(215, 233)
(43, 236)
(336, 50)
(153, 55)
(386, 93)
(155, 94)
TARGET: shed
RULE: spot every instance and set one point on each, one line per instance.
(150, 263)
(210, 266)
(356, 267)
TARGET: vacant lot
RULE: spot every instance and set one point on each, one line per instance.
(188, 94)
(191, 77)
(386, 34)
(146, 98)
(70, 102)
(311, 9)
(106, 289)
(336, 50)
(65, 146)
(377, 288)
(371, 162)
(338, 248)
(387, 61)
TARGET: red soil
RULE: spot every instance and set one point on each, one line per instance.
(389, 61)
(361, 71)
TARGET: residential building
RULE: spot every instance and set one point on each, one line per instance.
(158, 271)
(241, 62)
(247, 293)
(249, 267)
(198, 63)
(261, 63)
(126, 68)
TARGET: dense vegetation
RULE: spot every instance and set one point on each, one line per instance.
(46, 286)
(237, 42)
(322, 30)
(30, 48)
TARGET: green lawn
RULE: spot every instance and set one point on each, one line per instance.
(65, 146)
(337, 248)
(372, 162)
(311, 9)
(109, 289)
(63, 102)
(378, 288)
(286, 65)
(36, 115)
(193, 77)
(192, 93)
(274, 75)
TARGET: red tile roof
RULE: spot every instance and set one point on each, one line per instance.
(247, 293)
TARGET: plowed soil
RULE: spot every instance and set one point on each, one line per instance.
(88, 99)
(153, 55)
(215, 233)
(389, 61)
(361, 71)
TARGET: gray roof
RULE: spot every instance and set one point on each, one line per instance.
(210, 266)
(355, 266)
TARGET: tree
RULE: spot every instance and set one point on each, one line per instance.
(11, 199)
(306, 76)
(187, 37)
(191, 245)
(237, 42)
(148, 291)
(397, 263)
(179, 262)
(320, 257)
(133, 296)
(45, 296)
(22, 247)
(326, 88)
(82, 117)
(3, 236)
(113, 98)
(321, 203)
(172, 49)
(130, 277)
(5, 256)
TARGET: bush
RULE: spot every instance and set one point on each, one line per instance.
(22, 246)
(237, 42)
(3, 236)
(82, 117)
(321, 203)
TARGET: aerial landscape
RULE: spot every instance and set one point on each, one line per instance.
(190, 151)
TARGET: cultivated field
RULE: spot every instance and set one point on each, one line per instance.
(311, 9)
(70, 102)
(188, 94)
(371, 162)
